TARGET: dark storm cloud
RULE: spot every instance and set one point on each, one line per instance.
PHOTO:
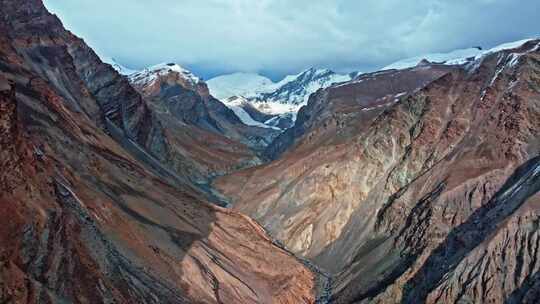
(278, 36)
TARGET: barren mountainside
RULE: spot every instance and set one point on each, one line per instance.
(204, 137)
(90, 212)
(412, 186)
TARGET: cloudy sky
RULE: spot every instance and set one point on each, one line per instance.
(277, 37)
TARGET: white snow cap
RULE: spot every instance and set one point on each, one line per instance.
(236, 106)
(283, 98)
(291, 89)
(455, 57)
(152, 73)
(238, 84)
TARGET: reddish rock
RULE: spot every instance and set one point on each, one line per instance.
(87, 217)
(427, 196)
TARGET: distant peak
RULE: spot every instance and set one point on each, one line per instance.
(151, 74)
(455, 57)
(309, 74)
(172, 67)
(314, 70)
(423, 62)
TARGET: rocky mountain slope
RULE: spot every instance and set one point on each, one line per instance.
(206, 138)
(417, 185)
(173, 89)
(90, 212)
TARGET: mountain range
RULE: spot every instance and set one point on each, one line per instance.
(281, 100)
(255, 99)
(418, 183)
(258, 101)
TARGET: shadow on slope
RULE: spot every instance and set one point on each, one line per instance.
(523, 183)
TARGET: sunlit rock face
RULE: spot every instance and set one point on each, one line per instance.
(324, 176)
(90, 213)
(412, 185)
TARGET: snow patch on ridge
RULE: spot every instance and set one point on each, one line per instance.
(283, 98)
(236, 106)
(152, 73)
(292, 89)
(238, 84)
(456, 57)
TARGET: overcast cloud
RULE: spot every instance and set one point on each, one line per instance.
(277, 37)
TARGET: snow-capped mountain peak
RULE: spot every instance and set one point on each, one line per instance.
(292, 89)
(296, 89)
(456, 57)
(238, 84)
(151, 73)
(151, 79)
(281, 100)
(169, 72)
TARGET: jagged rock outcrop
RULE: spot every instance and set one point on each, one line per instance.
(86, 216)
(415, 185)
